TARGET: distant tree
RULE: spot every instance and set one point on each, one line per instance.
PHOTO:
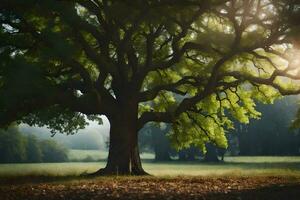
(233, 143)
(33, 150)
(272, 134)
(127, 59)
(161, 144)
(212, 153)
(155, 138)
(53, 152)
(221, 153)
(17, 148)
(12, 146)
(145, 139)
(189, 154)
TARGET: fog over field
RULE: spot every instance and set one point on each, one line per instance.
(94, 136)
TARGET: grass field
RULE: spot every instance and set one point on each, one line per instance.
(244, 178)
(233, 166)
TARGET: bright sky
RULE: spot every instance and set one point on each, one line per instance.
(95, 132)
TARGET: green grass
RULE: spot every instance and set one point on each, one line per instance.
(237, 166)
(224, 169)
(263, 159)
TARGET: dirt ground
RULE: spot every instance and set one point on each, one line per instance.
(239, 188)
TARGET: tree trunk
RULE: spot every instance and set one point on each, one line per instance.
(211, 154)
(123, 157)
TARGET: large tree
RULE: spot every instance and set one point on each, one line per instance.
(63, 60)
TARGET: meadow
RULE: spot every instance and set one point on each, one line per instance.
(232, 166)
(236, 178)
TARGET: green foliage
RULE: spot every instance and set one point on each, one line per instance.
(58, 120)
(16, 148)
(196, 64)
(53, 152)
(25, 71)
(12, 146)
(214, 116)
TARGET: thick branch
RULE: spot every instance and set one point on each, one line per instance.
(172, 87)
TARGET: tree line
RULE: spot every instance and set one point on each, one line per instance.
(18, 148)
(272, 135)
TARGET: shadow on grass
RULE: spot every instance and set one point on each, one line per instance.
(286, 192)
(37, 179)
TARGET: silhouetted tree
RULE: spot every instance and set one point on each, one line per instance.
(53, 152)
(211, 154)
(155, 138)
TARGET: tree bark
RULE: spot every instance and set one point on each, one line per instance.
(123, 157)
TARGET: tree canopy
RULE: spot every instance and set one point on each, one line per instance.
(131, 60)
